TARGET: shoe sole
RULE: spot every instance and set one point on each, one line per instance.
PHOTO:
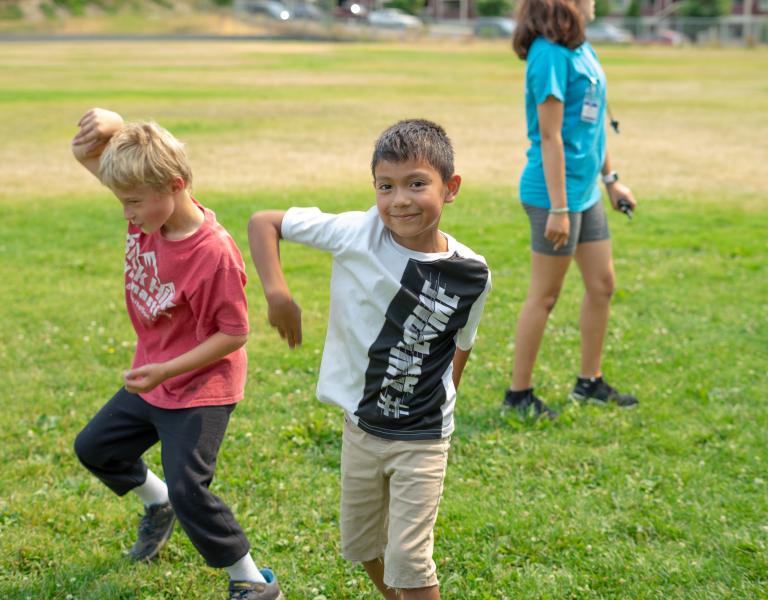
(596, 402)
(160, 545)
(528, 415)
(586, 399)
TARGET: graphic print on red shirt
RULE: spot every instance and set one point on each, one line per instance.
(149, 295)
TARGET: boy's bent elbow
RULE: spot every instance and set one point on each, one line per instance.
(238, 341)
(265, 221)
(254, 223)
(227, 343)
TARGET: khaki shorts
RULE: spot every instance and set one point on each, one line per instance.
(390, 491)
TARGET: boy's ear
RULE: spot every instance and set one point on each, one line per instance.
(452, 188)
(177, 184)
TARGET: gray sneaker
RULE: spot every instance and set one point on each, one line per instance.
(249, 590)
(596, 391)
(527, 404)
(155, 528)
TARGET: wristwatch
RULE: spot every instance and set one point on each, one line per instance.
(612, 177)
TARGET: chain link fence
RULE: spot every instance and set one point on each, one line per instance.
(728, 30)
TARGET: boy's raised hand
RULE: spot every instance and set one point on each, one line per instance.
(285, 316)
(96, 127)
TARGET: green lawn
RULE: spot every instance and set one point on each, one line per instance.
(669, 500)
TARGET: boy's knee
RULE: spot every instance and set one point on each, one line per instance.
(84, 449)
(186, 495)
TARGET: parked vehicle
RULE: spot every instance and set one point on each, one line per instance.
(269, 8)
(351, 11)
(493, 27)
(606, 33)
(393, 18)
(667, 37)
(307, 11)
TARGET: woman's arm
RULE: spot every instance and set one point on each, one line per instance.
(550, 114)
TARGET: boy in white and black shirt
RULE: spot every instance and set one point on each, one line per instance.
(405, 304)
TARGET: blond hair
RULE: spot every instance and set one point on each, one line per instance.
(143, 154)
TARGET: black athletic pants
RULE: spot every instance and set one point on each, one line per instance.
(112, 443)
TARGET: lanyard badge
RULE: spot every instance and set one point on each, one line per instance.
(590, 109)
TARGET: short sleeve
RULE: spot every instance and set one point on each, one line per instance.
(219, 304)
(547, 74)
(324, 231)
(465, 338)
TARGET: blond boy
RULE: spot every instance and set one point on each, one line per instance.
(184, 291)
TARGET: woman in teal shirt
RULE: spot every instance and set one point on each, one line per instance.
(565, 103)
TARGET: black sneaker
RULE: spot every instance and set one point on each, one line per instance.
(155, 528)
(249, 590)
(527, 404)
(597, 391)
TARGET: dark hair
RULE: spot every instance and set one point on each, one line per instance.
(415, 139)
(560, 21)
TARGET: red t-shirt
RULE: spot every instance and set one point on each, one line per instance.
(178, 294)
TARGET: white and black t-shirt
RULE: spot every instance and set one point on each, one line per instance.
(396, 318)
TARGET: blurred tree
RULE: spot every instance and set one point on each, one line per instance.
(412, 7)
(632, 14)
(633, 10)
(602, 8)
(493, 8)
(705, 8)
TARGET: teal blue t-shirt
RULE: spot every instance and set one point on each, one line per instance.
(576, 78)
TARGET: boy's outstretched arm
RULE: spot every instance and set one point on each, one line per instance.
(460, 358)
(96, 127)
(264, 241)
(149, 376)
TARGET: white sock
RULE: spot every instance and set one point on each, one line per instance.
(245, 570)
(153, 490)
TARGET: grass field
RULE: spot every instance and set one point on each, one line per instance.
(666, 501)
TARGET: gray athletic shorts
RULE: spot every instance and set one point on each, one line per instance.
(588, 226)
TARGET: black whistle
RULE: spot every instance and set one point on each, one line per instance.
(625, 207)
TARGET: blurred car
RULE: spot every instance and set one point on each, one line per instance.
(605, 33)
(668, 37)
(269, 8)
(306, 11)
(494, 27)
(393, 18)
(351, 10)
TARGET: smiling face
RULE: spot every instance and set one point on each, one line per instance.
(410, 196)
(147, 207)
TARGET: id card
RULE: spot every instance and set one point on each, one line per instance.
(591, 107)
